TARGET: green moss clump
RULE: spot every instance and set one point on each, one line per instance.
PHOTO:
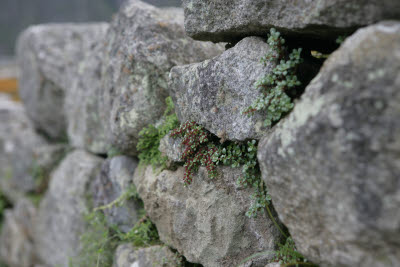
(151, 136)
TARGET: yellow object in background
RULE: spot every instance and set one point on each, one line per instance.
(9, 86)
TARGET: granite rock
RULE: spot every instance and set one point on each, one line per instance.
(333, 165)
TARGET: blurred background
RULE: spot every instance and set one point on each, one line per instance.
(16, 15)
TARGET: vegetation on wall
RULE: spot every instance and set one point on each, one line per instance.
(201, 148)
(99, 241)
(276, 85)
(151, 135)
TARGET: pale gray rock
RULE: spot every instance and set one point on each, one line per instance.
(161, 256)
(171, 148)
(333, 166)
(16, 245)
(231, 20)
(60, 219)
(144, 43)
(26, 158)
(214, 93)
(48, 57)
(86, 126)
(111, 186)
(205, 221)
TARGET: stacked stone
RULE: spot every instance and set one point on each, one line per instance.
(332, 165)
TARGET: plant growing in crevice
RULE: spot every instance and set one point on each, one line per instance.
(201, 148)
(143, 234)
(97, 243)
(99, 240)
(287, 255)
(198, 149)
(130, 193)
(276, 85)
(151, 135)
(341, 39)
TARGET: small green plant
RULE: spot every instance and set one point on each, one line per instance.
(151, 135)
(201, 148)
(275, 85)
(113, 152)
(98, 243)
(198, 149)
(287, 255)
(130, 193)
(143, 234)
(341, 39)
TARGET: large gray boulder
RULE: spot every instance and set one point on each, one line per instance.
(216, 92)
(333, 166)
(16, 238)
(226, 21)
(144, 43)
(205, 221)
(48, 57)
(113, 190)
(60, 219)
(86, 126)
(161, 256)
(26, 159)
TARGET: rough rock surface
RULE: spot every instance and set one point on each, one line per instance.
(22, 152)
(171, 148)
(231, 20)
(206, 221)
(16, 246)
(160, 256)
(59, 222)
(86, 127)
(112, 184)
(333, 166)
(144, 44)
(214, 93)
(48, 57)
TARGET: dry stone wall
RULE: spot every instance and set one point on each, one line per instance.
(136, 145)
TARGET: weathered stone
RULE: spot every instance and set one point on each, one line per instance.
(206, 221)
(86, 127)
(333, 166)
(16, 246)
(48, 57)
(111, 186)
(26, 158)
(171, 148)
(214, 93)
(226, 21)
(60, 221)
(162, 256)
(144, 44)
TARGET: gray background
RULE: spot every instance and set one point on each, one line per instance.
(16, 15)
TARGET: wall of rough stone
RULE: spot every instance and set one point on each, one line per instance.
(317, 185)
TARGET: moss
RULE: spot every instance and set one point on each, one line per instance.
(151, 136)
